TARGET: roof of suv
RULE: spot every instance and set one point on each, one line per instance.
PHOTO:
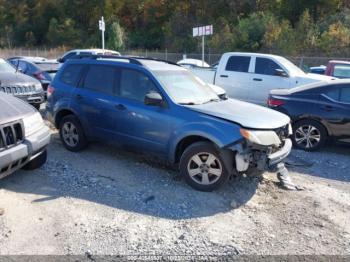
(150, 63)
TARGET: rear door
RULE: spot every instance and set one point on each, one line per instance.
(234, 76)
(95, 100)
(265, 79)
(335, 109)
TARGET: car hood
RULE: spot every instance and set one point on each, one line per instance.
(16, 79)
(245, 114)
(13, 109)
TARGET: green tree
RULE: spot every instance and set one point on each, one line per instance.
(116, 37)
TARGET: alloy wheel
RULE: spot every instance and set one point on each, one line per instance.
(70, 134)
(307, 136)
(204, 168)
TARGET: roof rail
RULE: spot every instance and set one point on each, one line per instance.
(131, 59)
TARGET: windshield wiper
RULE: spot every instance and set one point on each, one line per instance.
(188, 103)
(212, 100)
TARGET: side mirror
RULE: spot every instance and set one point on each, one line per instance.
(153, 99)
(280, 72)
(60, 60)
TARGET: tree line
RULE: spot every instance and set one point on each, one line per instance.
(289, 26)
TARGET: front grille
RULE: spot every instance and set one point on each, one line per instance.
(18, 89)
(11, 135)
(282, 132)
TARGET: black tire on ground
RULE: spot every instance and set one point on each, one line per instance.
(77, 140)
(37, 162)
(317, 135)
(203, 157)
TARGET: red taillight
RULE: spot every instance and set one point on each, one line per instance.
(39, 75)
(50, 90)
(273, 102)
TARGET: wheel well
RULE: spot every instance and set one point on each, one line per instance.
(315, 120)
(61, 114)
(186, 142)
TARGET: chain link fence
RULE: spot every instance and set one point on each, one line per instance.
(302, 61)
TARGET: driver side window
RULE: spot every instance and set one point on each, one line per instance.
(135, 85)
(265, 66)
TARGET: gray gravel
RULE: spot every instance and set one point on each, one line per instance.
(108, 201)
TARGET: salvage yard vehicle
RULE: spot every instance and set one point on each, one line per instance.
(20, 85)
(86, 52)
(23, 136)
(338, 69)
(250, 76)
(318, 111)
(38, 67)
(160, 108)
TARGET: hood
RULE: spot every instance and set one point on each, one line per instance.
(243, 113)
(16, 79)
(13, 108)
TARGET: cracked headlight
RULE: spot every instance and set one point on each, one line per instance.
(32, 123)
(264, 138)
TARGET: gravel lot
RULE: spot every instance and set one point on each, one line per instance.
(107, 201)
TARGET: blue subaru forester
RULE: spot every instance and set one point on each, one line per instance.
(161, 108)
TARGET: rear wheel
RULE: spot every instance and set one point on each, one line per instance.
(202, 167)
(72, 134)
(309, 135)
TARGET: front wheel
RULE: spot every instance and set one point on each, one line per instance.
(202, 167)
(309, 135)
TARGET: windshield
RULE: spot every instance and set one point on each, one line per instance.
(6, 67)
(342, 71)
(292, 68)
(185, 88)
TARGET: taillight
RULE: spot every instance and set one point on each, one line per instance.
(273, 102)
(39, 75)
(50, 90)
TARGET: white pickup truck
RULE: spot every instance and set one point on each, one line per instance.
(250, 76)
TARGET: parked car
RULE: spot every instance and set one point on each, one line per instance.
(86, 52)
(338, 69)
(189, 63)
(250, 76)
(162, 109)
(318, 112)
(23, 136)
(20, 85)
(38, 67)
(318, 69)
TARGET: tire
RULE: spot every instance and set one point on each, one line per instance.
(309, 135)
(72, 134)
(194, 160)
(37, 162)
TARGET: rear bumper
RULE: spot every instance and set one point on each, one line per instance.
(16, 157)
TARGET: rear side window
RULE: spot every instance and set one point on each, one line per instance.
(345, 95)
(135, 85)
(265, 66)
(100, 78)
(333, 93)
(238, 64)
(71, 74)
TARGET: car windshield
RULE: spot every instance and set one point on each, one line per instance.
(185, 88)
(292, 68)
(6, 67)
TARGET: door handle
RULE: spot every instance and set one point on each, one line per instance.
(79, 97)
(224, 76)
(120, 107)
(328, 108)
(257, 79)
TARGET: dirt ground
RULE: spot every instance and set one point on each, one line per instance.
(107, 201)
